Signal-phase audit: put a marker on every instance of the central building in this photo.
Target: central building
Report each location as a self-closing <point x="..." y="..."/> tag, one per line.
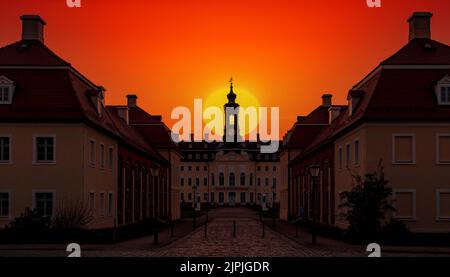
<point x="228" y="173"/>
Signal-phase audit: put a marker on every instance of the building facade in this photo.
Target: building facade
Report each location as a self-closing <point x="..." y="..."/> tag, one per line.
<point x="398" y="115"/>
<point x="228" y="173"/>
<point x="61" y="147"/>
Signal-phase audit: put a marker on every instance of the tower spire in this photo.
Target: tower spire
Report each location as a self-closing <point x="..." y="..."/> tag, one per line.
<point x="231" y="95"/>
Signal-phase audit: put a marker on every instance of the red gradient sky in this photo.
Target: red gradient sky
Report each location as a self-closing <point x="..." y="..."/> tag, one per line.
<point x="287" y="53"/>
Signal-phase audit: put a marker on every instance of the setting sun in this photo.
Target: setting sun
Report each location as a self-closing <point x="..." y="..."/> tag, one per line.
<point x="244" y="98"/>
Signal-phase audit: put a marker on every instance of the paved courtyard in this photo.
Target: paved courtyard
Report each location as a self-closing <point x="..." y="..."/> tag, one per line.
<point x="220" y="242"/>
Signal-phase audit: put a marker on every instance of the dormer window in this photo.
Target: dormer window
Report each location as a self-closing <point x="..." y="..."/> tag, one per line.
<point x="443" y="91"/>
<point x="445" y="95"/>
<point x="6" y="90"/>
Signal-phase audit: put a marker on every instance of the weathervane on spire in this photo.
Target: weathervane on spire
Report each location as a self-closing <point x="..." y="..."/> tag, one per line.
<point x="231" y="83"/>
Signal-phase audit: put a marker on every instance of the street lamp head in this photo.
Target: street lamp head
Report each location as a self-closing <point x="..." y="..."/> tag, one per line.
<point x="155" y="170"/>
<point x="314" y="170"/>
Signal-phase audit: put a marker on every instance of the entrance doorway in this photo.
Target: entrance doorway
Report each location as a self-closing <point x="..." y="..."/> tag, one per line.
<point x="232" y="198"/>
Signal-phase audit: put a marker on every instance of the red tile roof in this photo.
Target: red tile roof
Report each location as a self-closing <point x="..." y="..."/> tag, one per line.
<point x="421" y="52"/>
<point x="29" y="53"/>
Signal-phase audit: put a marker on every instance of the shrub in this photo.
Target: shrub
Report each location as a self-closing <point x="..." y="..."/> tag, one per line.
<point x="72" y="215"/>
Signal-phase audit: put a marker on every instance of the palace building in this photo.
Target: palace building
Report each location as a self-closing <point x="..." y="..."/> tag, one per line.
<point x="228" y="173"/>
<point x="398" y="114"/>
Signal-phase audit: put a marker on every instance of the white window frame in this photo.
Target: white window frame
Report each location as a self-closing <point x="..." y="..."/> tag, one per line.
<point x="340" y="157"/>
<point x="33" y="192"/>
<point x="110" y="207"/>
<point x="413" y="136"/>
<point x="6" y="162"/>
<point x="92" y="159"/>
<point x="438" y="150"/>
<point x="356" y="154"/>
<point x="438" y="205"/>
<point x="348" y="155"/>
<point x="414" y="207"/>
<point x="7" y="83"/>
<point x="110" y="158"/>
<point x="9" y="205"/>
<point x="35" y="161"/>
<point x="444" y="82"/>
<point x="102" y="154"/>
<point x="102" y="207"/>
<point x="92" y="207"/>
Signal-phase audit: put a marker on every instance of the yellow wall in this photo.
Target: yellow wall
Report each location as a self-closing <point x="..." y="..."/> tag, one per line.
<point x="70" y="178"/>
<point x="424" y="177"/>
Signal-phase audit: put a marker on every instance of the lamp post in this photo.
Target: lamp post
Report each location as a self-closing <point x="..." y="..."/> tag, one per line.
<point x="194" y="200"/>
<point x="314" y="172"/>
<point x="155" y="174"/>
<point x="273" y="205"/>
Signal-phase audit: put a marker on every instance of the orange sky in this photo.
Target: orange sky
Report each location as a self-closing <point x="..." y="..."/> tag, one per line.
<point x="287" y="53"/>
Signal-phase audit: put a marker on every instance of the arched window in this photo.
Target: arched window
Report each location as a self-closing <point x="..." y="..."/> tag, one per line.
<point x="221" y="179"/>
<point x="242" y="179"/>
<point x="232" y="179"/>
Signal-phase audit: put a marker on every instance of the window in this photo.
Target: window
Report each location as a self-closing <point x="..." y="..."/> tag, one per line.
<point x="259" y="182"/>
<point x="102" y="156"/>
<point x="231" y="179"/>
<point x="205" y="168"/>
<point x="181" y="181"/>
<point x="205" y="196"/>
<point x="6" y="90"/>
<point x="190" y="181"/>
<point x="242" y="198"/>
<point x="443" y="148"/>
<point x="190" y="168"/>
<point x="182" y="168"/>
<point x="182" y="196"/>
<point x="205" y="181"/>
<point x="92" y="201"/>
<point x="213" y="181"/>
<point x="274" y="168"/>
<point x="5" y="149"/>
<point x="443" y="205"/>
<point x="110" y="158"/>
<point x="251" y="197"/>
<point x="347" y="155"/>
<point x="242" y="179"/>
<point x="274" y="182"/>
<point x="221" y="179"/>
<point x="92" y="152"/>
<point x="403" y="149"/>
<point x="251" y="179"/>
<point x="102" y="203"/>
<point x="259" y="168"/>
<point x="221" y="197"/>
<point x="266" y="182"/>
<point x="267" y="168"/>
<point x="405" y="204"/>
<point x="197" y="168"/>
<point x="45" y="149"/>
<point x="445" y="95"/>
<point x="189" y="196"/>
<point x="356" y="152"/>
<point x="110" y="203"/>
<point x="43" y="203"/>
<point x="5" y="204"/>
<point x="340" y="157"/>
<point x="197" y="181"/>
<point x="212" y="200"/>
<point x="5" y="95"/>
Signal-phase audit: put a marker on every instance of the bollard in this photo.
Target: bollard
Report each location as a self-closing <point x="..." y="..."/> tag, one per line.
<point x="234" y="228"/>
<point x="263" y="231"/>
<point x="155" y="237"/>
<point x="206" y="229"/>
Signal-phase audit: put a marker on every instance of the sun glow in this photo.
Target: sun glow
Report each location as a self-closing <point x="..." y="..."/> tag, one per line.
<point x="244" y="98"/>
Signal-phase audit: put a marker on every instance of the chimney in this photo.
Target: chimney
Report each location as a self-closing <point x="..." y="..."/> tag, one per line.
<point x="123" y="113"/>
<point x="326" y="100"/>
<point x="131" y="100"/>
<point x="32" y="27"/>
<point x="334" y="112"/>
<point x="420" y="25"/>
